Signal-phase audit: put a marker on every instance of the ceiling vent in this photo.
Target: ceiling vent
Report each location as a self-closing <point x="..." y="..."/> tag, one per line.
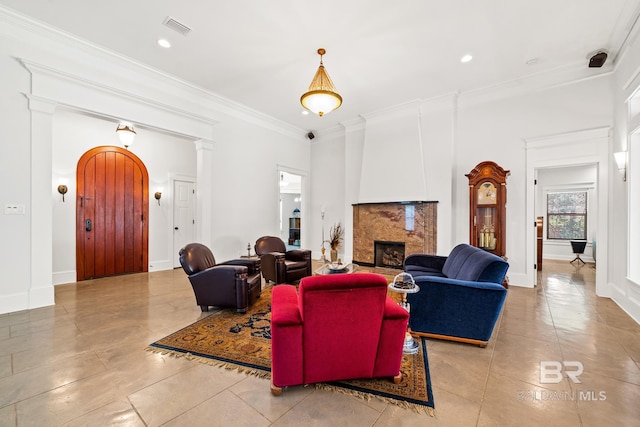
<point x="176" y="26"/>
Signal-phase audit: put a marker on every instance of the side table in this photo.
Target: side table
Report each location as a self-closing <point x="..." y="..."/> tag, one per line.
<point x="404" y="284"/>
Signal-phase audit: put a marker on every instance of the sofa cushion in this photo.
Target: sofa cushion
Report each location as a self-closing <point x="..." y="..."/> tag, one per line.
<point x="474" y="264"/>
<point x="457" y="259"/>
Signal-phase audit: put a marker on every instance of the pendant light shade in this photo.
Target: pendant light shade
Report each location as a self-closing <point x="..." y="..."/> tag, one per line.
<point x="321" y="98"/>
<point x="126" y="134"/>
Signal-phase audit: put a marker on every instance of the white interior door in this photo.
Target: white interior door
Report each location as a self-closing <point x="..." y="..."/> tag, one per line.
<point x="184" y="214"/>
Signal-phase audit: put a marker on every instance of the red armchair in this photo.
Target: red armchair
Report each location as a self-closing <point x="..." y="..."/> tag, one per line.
<point x="279" y="265"/>
<point x="338" y="327"/>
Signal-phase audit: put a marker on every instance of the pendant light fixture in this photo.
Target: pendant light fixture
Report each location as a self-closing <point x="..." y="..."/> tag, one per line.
<point x="126" y="134"/>
<point x="321" y="98"/>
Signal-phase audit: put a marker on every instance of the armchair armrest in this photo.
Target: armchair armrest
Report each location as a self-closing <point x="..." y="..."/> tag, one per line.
<point x="298" y="255"/>
<point x="286" y="336"/>
<point x="221" y="275"/>
<point x="252" y="264"/>
<point x="392" y="333"/>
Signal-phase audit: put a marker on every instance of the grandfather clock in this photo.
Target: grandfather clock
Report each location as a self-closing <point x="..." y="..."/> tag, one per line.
<point x="487" y="207"/>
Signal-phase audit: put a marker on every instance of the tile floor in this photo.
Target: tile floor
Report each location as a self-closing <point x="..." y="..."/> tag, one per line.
<point x="83" y="362"/>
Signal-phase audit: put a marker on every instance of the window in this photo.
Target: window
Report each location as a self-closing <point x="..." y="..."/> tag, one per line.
<point x="567" y="215"/>
<point x="409" y="217"/>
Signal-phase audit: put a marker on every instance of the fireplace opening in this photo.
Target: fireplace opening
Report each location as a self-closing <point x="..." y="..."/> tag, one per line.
<point x="388" y="254"/>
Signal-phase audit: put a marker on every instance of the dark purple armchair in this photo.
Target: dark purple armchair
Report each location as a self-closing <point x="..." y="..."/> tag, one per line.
<point x="236" y="283"/>
<point x="279" y="265"/>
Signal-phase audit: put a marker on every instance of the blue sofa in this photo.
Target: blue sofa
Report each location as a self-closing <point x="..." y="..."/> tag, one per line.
<point x="461" y="295"/>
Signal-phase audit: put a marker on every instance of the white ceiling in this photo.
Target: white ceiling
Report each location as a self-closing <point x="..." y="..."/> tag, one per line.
<point x="380" y="53"/>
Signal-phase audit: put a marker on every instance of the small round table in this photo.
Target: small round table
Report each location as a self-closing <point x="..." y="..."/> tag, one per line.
<point x="406" y="286"/>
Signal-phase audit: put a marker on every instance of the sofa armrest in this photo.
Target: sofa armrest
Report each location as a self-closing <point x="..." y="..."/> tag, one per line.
<point x="456" y="308"/>
<point x="435" y="262"/>
<point x="430" y="280"/>
<point x="286" y="337"/>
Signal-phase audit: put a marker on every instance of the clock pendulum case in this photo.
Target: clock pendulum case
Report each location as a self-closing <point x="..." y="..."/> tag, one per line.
<point x="487" y="207"/>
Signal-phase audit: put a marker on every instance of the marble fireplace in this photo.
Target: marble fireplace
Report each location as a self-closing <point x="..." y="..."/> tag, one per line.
<point x="385" y="233"/>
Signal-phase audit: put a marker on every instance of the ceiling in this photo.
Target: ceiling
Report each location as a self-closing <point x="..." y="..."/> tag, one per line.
<point x="380" y="53"/>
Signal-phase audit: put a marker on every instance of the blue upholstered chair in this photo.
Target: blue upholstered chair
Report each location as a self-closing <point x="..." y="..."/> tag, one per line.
<point x="461" y="295"/>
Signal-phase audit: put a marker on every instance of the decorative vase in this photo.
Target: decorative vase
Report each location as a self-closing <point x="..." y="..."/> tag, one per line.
<point x="334" y="255"/>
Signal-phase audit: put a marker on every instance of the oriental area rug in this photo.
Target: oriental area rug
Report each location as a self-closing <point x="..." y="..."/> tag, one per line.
<point x="243" y="342"/>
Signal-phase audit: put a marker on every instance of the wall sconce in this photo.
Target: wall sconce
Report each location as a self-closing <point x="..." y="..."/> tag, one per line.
<point x="126" y="134"/>
<point x="158" y="195"/>
<point x="62" y="189"/>
<point x="621" y="162"/>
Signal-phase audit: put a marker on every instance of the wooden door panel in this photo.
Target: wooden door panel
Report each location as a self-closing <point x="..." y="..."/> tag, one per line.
<point x="110" y="214"/>
<point x="99" y="232"/>
<point x="87" y="202"/>
<point x="119" y="232"/>
<point x="113" y="193"/>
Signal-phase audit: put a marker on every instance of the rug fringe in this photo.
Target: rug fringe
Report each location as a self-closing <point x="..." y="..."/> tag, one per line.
<point x="267" y="375"/>
<point x="228" y="366"/>
<point x="367" y="396"/>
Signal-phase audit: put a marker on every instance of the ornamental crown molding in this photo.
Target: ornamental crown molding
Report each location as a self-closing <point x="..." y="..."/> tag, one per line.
<point x="194" y="99"/>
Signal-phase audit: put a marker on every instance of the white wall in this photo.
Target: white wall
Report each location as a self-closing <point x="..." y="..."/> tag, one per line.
<point x="163" y="155"/>
<point x="624" y="291"/>
<point x="15" y="167"/>
<point x="329" y="179"/>
<point x="496" y="130"/>
<point x="457" y="134"/>
<point x="46" y="75"/>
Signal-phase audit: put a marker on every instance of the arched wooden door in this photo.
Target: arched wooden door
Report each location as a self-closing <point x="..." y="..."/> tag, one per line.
<point x="112" y="206"/>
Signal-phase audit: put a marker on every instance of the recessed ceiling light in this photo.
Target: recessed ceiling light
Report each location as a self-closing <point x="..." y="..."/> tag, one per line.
<point x="164" y="43"/>
<point x="466" y="58"/>
<point x="305" y="112"/>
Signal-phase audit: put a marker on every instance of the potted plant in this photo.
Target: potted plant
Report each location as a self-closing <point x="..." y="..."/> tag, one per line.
<point x="336" y="236"/>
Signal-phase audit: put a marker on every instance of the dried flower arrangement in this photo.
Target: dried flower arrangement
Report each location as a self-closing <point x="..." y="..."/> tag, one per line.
<point x="336" y="236"/>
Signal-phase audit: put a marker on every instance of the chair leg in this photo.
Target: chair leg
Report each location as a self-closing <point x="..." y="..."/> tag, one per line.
<point x="397" y="378"/>
<point x="204" y="308"/>
<point x="577" y="258"/>
<point x="275" y="390"/>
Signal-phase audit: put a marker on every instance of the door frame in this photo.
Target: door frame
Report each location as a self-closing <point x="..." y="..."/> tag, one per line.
<point x="589" y="146"/>
<point x="80" y="270"/>
<point x="304" y="203"/>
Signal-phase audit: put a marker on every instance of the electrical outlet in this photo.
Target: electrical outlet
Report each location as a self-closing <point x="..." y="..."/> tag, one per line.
<point x="14" y="209"/>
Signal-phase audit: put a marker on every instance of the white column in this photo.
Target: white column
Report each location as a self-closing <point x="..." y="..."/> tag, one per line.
<point x="204" y="192"/>
<point x="353" y="151"/>
<point x="41" y="291"/>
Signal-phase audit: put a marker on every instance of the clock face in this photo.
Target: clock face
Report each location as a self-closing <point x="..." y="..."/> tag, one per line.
<point x="487" y="194"/>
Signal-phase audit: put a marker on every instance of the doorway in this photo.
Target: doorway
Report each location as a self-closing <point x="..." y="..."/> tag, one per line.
<point x="290" y="185"/>
<point x="184" y="223"/>
<point x="112" y="207"/>
<point x="574" y="149"/>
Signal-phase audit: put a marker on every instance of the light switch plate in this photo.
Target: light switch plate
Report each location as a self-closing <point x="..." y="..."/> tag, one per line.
<point x="14" y="209"/>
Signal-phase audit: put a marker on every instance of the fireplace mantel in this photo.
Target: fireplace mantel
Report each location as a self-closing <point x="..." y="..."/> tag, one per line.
<point x="411" y="222"/>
